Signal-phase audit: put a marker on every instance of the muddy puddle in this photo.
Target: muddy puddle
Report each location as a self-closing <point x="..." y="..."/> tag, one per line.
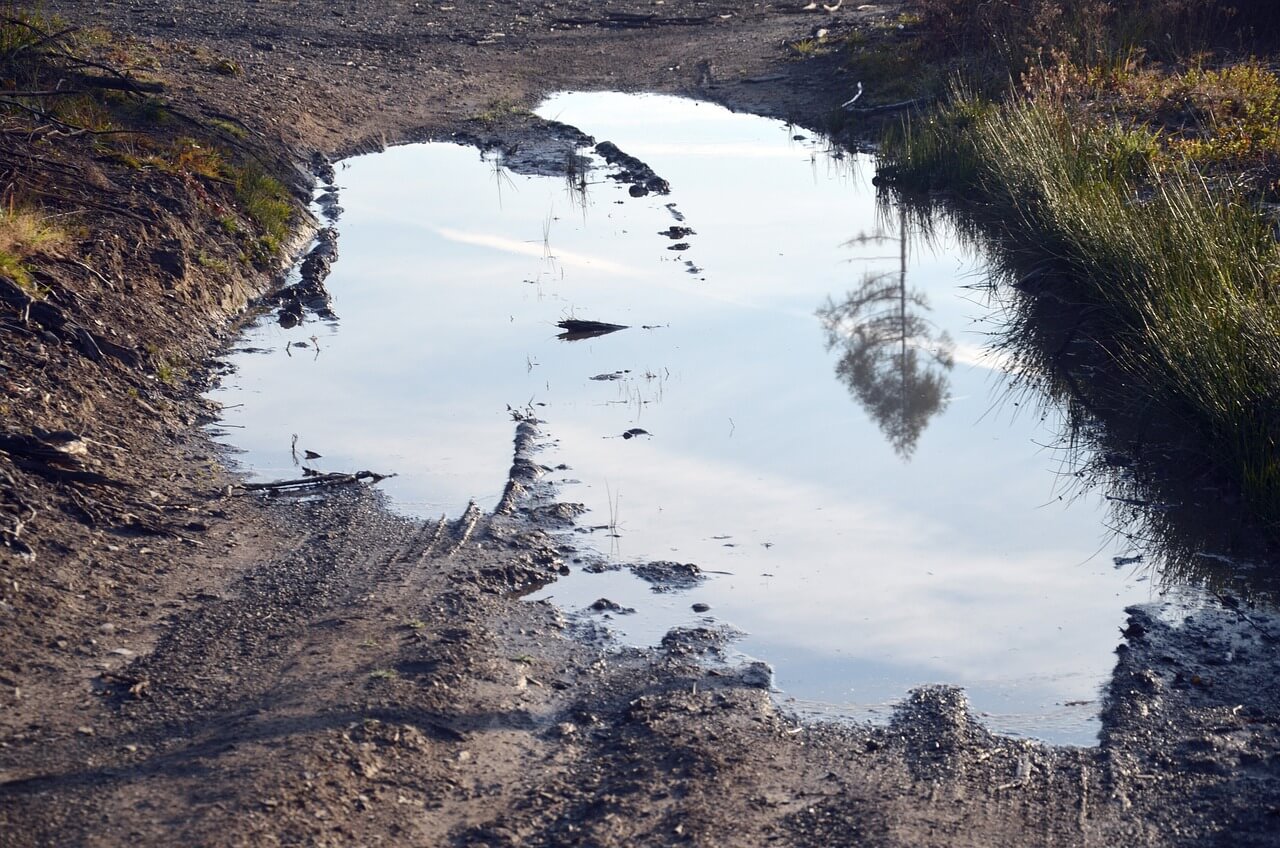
<point x="802" y="402"/>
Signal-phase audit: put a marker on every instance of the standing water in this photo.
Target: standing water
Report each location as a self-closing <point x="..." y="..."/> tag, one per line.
<point x="824" y="428"/>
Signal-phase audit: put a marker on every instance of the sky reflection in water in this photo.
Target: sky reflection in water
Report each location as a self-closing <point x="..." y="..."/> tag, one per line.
<point x="859" y="565"/>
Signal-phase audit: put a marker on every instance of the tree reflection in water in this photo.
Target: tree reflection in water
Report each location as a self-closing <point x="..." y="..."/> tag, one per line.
<point x="893" y="359"/>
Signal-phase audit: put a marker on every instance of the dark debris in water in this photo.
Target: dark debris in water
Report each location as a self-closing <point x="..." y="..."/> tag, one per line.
<point x="631" y="170"/>
<point x="575" y="330"/>
<point x="606" y="605"/>
<point x="667" y="576"/>
<point x="674" y="233"/>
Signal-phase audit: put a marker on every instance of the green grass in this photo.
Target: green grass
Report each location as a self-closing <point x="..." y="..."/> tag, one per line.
<point x="267" y="203"/>
<point x="232" y="129"/>
<point x="1186" y="273"/>
<point x="218" y="266"/>
<point x="498" y="109"/>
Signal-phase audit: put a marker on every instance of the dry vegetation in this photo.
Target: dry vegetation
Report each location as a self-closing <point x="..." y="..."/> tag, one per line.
<point x="1133" y="161"/>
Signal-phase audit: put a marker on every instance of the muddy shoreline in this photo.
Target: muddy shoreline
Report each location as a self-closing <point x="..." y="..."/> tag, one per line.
<point x="323" y="671"/>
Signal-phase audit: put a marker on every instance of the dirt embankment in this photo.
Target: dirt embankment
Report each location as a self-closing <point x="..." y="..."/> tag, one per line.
<point x="180" y="662"/>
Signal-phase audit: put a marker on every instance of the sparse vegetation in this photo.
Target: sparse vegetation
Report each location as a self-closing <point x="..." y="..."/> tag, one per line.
<point x="497" y="109"/>
<point x="26" y="232"/>
<point x="267" y="203"/>
<point x="807" y="47"/>
<point x="218" y="266"/>
<point x="230" y="128"/>
<point x="989" y="43"/>
<point x="130" y="124"/>
<point x="1136" y="187"/>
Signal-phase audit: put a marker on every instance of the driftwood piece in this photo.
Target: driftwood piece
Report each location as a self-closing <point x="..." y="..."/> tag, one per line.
<point x="320" y="481"/>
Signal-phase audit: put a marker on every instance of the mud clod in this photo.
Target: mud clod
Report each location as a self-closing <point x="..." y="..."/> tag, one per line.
<point x="667" y="576"/>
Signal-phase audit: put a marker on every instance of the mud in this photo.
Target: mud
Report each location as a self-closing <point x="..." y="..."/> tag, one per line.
<point x="181" y="663"/>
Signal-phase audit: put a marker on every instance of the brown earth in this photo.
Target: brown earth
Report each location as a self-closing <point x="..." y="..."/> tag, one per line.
<point x="183" y="662"/>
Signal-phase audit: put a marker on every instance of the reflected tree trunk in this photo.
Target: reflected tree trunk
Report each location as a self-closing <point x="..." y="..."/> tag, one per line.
<point x="893" y="359"/>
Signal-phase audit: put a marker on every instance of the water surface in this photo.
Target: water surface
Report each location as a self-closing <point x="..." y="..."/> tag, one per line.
<point x="825" y="427"/>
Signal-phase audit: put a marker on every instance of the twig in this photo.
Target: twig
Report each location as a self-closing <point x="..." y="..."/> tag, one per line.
<point x="887" y="107"/>
<point x="324" y="480"/>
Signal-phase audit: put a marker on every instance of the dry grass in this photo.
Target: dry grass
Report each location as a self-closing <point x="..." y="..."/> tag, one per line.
<point x="24" y="233"/>
<point x="1188" y="276"/>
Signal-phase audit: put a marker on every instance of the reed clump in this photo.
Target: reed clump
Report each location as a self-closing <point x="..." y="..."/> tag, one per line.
<point x="1184" y="269"/>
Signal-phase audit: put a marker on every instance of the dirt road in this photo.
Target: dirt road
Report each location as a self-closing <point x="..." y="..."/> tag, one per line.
<point x="194" y="665"/>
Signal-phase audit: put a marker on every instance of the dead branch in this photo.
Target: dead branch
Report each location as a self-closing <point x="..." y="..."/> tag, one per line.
<point x="121" y="82"/>
<point x="318" y="482"/>
<point x="884" y="108"/>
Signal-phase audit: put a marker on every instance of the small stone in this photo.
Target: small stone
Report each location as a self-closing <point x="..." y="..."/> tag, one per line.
<point x="566" y="729"/>
<point x="700" y="607"/>
<point x="85" y="730"/>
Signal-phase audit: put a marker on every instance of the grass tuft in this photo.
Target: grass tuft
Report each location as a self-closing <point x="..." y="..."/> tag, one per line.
<point x="266" y="201"/>
<point x="26" y="232"/>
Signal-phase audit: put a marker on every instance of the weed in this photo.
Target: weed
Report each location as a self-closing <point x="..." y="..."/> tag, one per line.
<point x="26" y="232"/>
<point x="169" y="373"/>
<point x="15" y="269"/>
<point x="138" y="111"/>
<point x="384" y="674"/>
<point x="83" y="111"/>
<point x="993" y="42"/>
<point x="229" y="127"/>
<point x="188" y="156"/>
<point x="216" y="265"/>
<point x="267" y="203"/>
<point x="807" y="47"/>
<point x="498" y="109"/>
